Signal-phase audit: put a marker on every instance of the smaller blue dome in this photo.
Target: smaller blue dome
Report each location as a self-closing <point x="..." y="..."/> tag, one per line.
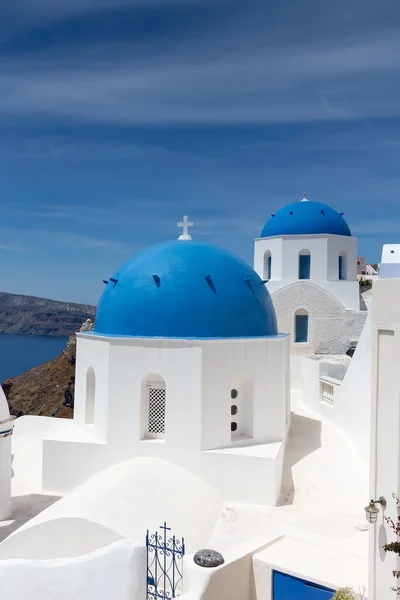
<point x="186" y="289"/>
<point x="305" y="218"/>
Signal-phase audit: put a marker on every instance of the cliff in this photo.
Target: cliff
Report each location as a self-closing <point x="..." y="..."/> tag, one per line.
<point x="47" y="390"/>
<point x="31" y="315"/>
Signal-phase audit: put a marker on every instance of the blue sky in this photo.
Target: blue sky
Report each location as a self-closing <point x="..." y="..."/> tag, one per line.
<point x="119" y="116"/>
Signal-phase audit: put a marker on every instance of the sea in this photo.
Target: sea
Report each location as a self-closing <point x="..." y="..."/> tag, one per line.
<point x="19" y="353"/>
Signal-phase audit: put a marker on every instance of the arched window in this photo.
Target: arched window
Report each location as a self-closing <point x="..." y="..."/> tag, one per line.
<point x="90" y="396"/>
<point x="241" y="411"/>
<point x="267" y="265"/>
<point x="301" y="326"/>
<point x="153" y="406"/>
<point x="304" y="264"/>
<point x="342" y="266"/>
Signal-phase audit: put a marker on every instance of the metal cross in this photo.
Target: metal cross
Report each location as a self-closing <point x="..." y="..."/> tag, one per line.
<point x="165" y="527"/>
<point x="185" y="224"/>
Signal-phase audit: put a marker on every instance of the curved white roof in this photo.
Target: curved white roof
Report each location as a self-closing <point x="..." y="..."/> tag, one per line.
<point x="140" y="494"/>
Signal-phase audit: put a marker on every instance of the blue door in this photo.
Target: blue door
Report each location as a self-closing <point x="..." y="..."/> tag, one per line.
<point x="286" y="587"/>
<point x="301" y="326"/>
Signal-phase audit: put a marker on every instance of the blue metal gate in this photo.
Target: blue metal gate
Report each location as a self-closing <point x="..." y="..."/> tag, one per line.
<point x="164" y="565"/>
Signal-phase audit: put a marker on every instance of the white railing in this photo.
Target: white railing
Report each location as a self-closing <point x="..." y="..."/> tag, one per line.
<point x="327" y="386"/>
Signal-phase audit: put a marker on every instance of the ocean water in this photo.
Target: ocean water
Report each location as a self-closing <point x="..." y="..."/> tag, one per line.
<point x="19" y="353"/>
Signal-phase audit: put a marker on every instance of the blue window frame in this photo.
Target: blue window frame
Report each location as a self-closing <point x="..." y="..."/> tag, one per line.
<point x="269" y="267"/>
<point x="304" y="266"/>
<point x="301" y="328"/>
<point x="340" y="266"/>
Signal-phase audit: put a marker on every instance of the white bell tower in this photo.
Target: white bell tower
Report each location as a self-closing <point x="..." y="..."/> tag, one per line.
<point x="306" y="246"/>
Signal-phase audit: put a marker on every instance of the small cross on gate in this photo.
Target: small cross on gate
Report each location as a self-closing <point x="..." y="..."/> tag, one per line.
<point x="165" y="527"/>
<point x="185" y="224"/>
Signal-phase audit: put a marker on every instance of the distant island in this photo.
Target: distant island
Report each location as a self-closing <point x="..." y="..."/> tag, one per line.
<point x="39" y="316"/>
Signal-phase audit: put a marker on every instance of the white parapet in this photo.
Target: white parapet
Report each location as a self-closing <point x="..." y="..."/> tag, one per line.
<point x="6" y="429"/>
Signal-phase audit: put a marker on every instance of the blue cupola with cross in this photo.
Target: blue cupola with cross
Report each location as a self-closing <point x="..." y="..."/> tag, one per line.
<point x="185" y="289"/>
<point x="305" y="218"/>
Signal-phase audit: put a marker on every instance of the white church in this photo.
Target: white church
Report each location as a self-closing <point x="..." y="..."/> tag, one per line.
<point x="253" y="412"/>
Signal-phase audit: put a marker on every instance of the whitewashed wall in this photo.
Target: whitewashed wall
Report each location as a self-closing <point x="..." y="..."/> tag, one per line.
<point x="247" y="571"/>
<point x="324" y="250"/>
<point x="351" y="407"/>
<point x="5" y="459"/>
<point x="385" y="430"/>
<point x="199" y="376"/>
<point x="115" y="571"/>
<point x="5" y="477"/>
<point x="332" y="328"/>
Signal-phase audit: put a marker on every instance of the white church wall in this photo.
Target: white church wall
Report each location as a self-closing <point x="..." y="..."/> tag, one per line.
<point x="332" y="329"/>
<point x="58" y="538"/>
<point x="347" y="289"/>
<point x="115" y="571"/>
<point x="385" y="430"/>
<point x="263" y="247"/>
<point x="264" y="363"/>
<point x="178" y="363"/>
<point x="93" y="360"/>
<point x="197" y="417"/>
<point x="285" y="252"/>
<point x="324" y="264"/>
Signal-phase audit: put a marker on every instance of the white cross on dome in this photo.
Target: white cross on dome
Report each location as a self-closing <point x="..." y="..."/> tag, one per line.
<point x="185" y="224"/>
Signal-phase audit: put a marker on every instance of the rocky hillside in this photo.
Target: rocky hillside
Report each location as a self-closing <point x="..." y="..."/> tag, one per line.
<point x="47" y="390"/>
<point x="31" y="315"/>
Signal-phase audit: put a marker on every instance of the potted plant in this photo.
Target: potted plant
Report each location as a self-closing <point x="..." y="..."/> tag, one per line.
<point x="344" y="594"/>
<point x="394" y="546"/>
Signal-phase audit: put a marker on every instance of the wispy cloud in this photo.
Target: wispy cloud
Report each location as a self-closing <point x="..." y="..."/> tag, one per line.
<point x="25" y="14"/>
<point x="378" y="227"/>
<point x="233" y="79"/>
<point x="31" y="240"/>
<point x="12" y="248"/>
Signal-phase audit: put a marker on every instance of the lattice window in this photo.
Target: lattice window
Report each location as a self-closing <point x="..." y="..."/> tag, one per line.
<point x="156" y="410"/>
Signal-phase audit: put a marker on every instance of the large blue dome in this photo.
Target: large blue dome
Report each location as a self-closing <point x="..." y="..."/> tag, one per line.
<point x="305" y="218"/>
<point x="186" y="289"/>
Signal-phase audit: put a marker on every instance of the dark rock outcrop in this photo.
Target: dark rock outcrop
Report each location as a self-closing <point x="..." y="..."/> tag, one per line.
<point x="47" y="390"/>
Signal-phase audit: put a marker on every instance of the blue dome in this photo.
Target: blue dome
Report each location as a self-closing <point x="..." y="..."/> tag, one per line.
<point x="186" y="289"/>
<point x="306" y="218"/>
